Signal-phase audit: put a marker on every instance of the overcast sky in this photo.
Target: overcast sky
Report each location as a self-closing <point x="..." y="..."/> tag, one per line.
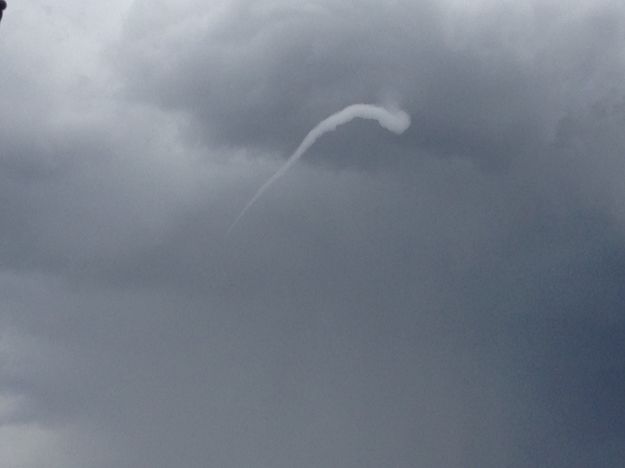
<point x="450" y="297"/>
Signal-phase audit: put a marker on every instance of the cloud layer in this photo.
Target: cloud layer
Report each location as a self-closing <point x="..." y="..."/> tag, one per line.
<point x="449" y="298"/>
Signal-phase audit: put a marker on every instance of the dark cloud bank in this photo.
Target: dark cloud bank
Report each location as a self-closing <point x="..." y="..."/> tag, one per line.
<point x="451" y="297"/>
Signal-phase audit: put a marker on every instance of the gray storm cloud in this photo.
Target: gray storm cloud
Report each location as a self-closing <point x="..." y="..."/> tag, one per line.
<point x="393" y="119"/>
<point x="452" y="297"/>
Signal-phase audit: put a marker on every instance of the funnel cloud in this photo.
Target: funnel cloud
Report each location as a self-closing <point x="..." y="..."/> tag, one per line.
<point x="392" y="119"/>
